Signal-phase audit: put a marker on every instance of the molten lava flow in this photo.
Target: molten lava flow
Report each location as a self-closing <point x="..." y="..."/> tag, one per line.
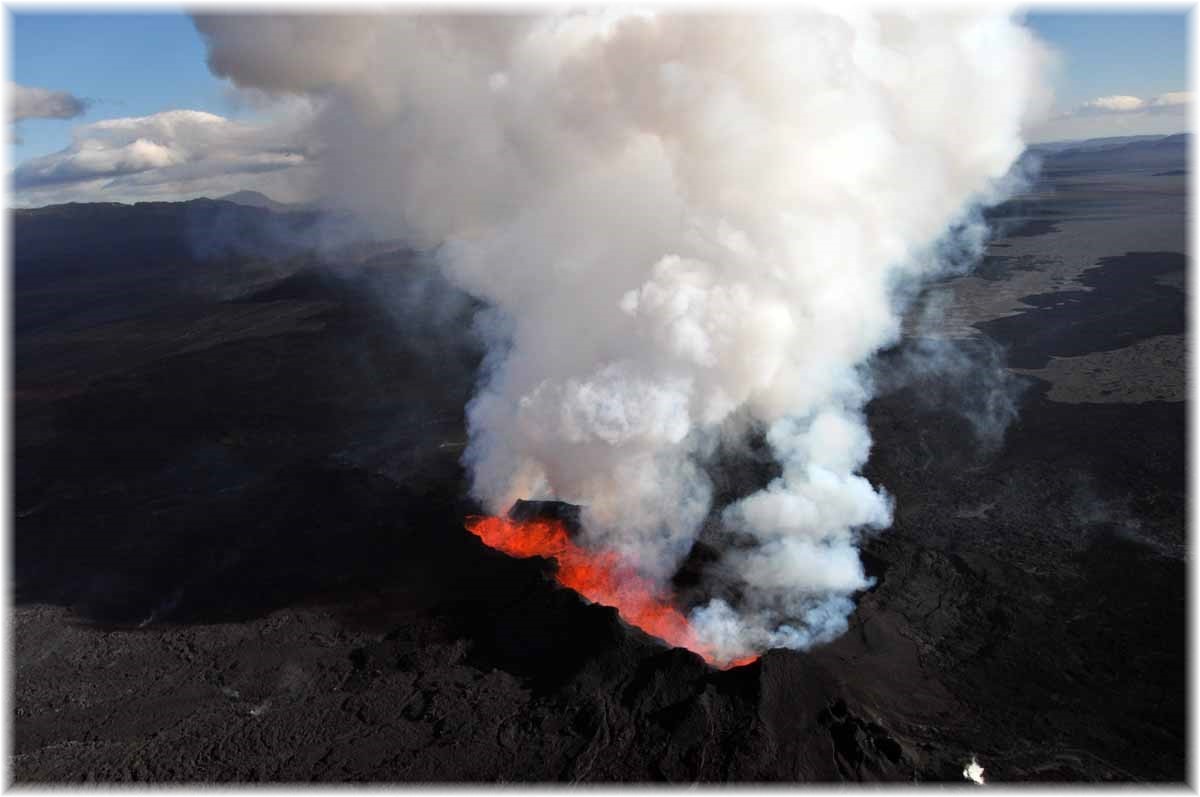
<point x="600" y="577"/>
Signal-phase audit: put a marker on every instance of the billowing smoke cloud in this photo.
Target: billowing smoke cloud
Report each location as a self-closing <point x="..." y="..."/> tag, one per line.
<point x="685" y="225"/>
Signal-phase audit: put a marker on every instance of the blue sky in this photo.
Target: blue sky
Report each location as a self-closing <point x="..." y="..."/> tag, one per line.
<point x="1114" y="54"/>
<point x="125" y="64"/>
<point x="139" y="64"/>
<point x="1141" y="54"/>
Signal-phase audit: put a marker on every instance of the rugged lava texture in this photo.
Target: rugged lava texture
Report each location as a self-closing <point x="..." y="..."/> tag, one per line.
<point x="239" y="552"/>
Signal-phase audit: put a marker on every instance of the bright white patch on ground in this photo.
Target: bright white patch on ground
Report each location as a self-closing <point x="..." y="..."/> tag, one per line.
<point x="974" y="772"/>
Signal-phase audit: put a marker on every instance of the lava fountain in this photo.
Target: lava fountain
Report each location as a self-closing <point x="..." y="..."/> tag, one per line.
<point x="600" y="576"/>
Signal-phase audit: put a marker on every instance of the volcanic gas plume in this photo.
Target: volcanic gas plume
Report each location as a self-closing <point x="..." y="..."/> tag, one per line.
<point x="692" y="231"/>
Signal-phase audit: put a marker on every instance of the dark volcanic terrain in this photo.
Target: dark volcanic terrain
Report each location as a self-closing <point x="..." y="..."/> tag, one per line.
<point x="238" y="548"/>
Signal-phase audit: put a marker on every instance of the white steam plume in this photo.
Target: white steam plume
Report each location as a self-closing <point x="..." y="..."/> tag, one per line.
<point x="681" y="221"/>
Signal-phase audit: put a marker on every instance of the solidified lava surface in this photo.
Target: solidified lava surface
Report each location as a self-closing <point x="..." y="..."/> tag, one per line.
<point x="239" y="554"/>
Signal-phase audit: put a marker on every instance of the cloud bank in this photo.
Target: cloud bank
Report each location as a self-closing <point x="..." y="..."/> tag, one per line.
<point x="1119" y="115"/>
<point x="1120" y="103"/>
<point x="690" y="230"/>
<point x="171" y="154"/>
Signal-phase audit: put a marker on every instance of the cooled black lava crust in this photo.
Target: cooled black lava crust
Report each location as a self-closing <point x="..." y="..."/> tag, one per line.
<point x="239" y="555"/>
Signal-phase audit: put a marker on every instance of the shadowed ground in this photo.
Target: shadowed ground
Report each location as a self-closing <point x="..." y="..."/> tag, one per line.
<point x="238" y="551"/>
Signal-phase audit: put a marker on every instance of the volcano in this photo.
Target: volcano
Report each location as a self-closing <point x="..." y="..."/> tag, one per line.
<point x="238" y="550"/>
<point x="548" y="528"/>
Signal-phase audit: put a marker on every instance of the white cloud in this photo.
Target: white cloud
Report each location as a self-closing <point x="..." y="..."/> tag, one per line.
<point x="173" y="154"/>
<point x="1116" y="103"/>
<point x="30" y="102"/>
<point x="1118" y="115"/>
<point x="1124" y="103"/>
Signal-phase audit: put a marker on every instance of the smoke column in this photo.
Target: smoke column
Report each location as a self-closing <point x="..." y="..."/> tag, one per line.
<point x="689" y="228"/>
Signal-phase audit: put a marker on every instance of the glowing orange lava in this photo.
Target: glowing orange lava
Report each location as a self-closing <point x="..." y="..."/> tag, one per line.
<point x="601" y="577"/>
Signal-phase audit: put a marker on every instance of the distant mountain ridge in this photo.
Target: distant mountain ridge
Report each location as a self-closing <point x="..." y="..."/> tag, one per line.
<point x="112" y="235"/>
<point x="1121" y="153"/>
<point x="1106" y="142"/>
<point x="257" y="199"/>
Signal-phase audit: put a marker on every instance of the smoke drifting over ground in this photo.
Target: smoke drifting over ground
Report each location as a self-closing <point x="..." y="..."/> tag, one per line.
<point x="684" y="225"/>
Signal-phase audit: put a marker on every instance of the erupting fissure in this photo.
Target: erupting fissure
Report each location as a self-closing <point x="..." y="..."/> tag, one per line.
<point x="600" y="576"/>
<point x="689" y="233"/>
